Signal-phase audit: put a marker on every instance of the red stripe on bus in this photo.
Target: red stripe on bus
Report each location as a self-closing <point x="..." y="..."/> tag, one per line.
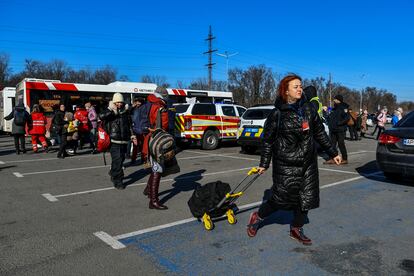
<point x="175" y="92"/>
<point x="65" y="86"/>
<point x="36" y="85"/>
<point x="182" y="92"/>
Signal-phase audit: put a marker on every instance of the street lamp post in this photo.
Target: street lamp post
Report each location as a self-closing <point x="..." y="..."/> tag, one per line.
<point x="362" y="90"/>
<point x="227" y="55"/>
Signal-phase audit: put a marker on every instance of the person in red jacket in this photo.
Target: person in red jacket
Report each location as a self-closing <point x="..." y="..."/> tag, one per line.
<point x="84" y="127"/>
<point x="37" y="129"/>
<point x="158" y="101"/>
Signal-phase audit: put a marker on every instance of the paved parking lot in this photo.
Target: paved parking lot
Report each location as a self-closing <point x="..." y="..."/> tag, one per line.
<point x="63" y="217"/>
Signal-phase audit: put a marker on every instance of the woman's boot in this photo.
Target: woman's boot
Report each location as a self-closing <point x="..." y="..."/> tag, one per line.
<point x="147" y="189"/>
<point x="153" y="192"/>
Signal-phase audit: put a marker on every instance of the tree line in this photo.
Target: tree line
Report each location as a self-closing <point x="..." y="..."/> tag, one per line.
<point x="254" y="85"/>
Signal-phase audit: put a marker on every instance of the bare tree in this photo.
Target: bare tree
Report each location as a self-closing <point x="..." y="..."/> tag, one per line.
<point x="123" y="78"/>
<point x="180" y="84"/>
<point x="105" y="75"/>
<point x="256" y="85"/>
<point x="80" y="76"/>
<point x="5" y="70"/>
<point x="202" y="84"/>
<point x="158" y="80"/>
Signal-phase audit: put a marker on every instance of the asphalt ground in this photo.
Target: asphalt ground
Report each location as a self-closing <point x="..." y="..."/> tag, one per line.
<point x="63" y="217"/>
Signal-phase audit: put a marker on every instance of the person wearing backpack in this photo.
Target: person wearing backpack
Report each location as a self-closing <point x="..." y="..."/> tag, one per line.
<point x="21" y="119"/>
<point x="158" y="110"/>
<point x="37" y="128"/>
<point x="118" y="125"/>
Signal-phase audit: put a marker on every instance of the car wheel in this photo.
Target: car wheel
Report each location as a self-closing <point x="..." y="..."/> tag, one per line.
<point x="392" y="176"/>
<point x="210" y="140"/>
<point x="249" y="149"/>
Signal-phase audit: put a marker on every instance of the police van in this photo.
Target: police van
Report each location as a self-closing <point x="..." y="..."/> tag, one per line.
<point x="251" y="127"/>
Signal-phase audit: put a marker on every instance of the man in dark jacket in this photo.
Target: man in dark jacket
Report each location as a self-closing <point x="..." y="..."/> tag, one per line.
<point x="118" y="124"/>
<point x="21" y="119"/>
<point x="337" y="122"/>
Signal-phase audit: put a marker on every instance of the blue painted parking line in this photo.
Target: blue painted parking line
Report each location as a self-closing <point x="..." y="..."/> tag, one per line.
<point x="347" y="238"/>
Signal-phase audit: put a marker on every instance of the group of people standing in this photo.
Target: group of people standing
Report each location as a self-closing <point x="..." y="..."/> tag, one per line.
<point x="73" y="130"/>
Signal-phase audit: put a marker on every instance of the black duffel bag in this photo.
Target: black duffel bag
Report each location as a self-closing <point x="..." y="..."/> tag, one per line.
<point x="205" y="199"/>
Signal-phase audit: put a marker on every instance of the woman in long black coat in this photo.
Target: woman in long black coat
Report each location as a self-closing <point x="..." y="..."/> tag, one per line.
<point x="288" y="137"/>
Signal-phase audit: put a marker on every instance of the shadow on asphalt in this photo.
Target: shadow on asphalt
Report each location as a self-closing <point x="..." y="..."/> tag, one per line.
<point x="7" y="152"/>
<point x="7" y="167"/>
<point x="372" y="167"/>
<point x="135" y="176"/>
<point x="183" y="183"/>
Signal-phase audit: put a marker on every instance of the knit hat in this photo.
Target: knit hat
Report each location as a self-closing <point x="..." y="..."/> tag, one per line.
<point x="339" y="98"/>
<point x="118" y="98"/>
<point x="161" y="93"/>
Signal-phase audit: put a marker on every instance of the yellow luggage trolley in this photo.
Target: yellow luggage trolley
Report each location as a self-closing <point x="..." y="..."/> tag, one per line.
<point x="227" y="205"/>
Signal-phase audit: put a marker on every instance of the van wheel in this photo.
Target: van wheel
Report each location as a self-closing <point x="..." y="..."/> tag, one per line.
<point x="210" y="140"/>
<point x="249" y="149"/>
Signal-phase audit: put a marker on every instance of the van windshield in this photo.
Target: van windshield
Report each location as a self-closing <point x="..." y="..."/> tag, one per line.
<point x="256" y="114"/>
<point x="181" y="108"/>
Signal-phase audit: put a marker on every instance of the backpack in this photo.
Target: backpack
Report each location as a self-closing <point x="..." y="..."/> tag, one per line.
<point x="140" y="119"/>
<point x="19" y="118"/>
<point x="161" y="144"/>
<point x="104" y="141"/>
<point x="205" y="198"/>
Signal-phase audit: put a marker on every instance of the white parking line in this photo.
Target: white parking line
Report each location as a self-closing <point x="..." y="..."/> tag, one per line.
<point x="227" y="155"/>
<point x="17" y="174"/>
<point x="142" y="183"/>
<point x="2" y="163"/>
<point x="75" y="157"/>
<point x="109" y="241"/>
<point x="102" y="166"/>
<point x="204" y="155"/>
<point x="341" y="171"/>
<point x="50" y="197"/>
<point x="62" y="170"/>
<point x="49" y="159"/>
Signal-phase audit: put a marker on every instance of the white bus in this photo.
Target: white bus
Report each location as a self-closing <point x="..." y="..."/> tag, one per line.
<point x="50" y="93"/>
<point x="7" y="103"/>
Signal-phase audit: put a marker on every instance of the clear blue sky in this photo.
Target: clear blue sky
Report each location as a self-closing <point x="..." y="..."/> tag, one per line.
<point x="361" y="43"/>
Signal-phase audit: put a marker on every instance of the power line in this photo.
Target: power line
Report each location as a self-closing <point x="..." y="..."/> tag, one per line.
<point x="210" y="57"/>
<point x="95" y="35"/>
<point x="86" y="47"/>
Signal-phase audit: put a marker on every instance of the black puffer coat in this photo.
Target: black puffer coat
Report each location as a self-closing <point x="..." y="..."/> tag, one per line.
<point x="118" y="126"/>
<point x="338" y="118"/>
<point x="295" y="167"/>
